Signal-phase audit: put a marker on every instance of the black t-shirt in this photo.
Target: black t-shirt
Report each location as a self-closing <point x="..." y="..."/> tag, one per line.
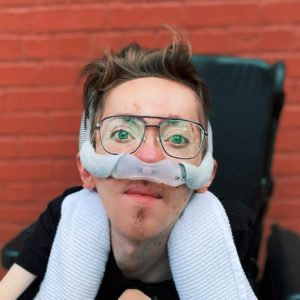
<point x="35" y="253"/>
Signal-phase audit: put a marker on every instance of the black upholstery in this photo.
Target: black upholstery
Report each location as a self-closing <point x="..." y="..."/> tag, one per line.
<point x="246" y="97"/>
<point x="281" y="279"/>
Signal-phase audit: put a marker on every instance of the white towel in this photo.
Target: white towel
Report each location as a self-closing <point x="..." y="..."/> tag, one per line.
<point x="203" y="258"/>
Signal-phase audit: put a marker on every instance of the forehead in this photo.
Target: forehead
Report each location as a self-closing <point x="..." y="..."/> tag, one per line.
<point x="153" y="96"/>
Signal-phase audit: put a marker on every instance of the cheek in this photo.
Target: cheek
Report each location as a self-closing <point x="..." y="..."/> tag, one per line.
<point x="107" y="190"/>
<point x="197" y="160"/>
<point x="177" y="199"/>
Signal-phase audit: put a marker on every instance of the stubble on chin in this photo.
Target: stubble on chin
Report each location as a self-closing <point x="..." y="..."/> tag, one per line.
<point x="139" y="225"/>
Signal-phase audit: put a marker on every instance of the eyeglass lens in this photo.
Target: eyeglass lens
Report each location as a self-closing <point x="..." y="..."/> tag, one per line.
<point x="124" y="134"/>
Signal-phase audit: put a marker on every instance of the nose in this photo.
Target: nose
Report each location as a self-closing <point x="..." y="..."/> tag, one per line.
<point x="150" y="150"/>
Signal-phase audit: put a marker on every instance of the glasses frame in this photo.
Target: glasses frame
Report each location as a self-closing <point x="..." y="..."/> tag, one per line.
<point x="204" y="131"/>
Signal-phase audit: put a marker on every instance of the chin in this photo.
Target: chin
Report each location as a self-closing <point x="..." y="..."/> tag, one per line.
<point x="141" y="228"/>
<point x="139" y="231"/>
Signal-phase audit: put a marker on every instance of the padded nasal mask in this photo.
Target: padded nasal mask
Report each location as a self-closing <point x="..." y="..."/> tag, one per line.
<point x="128" y="166"/>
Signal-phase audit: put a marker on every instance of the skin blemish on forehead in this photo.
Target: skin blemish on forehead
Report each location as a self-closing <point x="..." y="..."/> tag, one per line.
<point x="136" y="106"/>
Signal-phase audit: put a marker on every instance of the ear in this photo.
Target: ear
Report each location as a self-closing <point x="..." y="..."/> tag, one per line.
<point x="87" y="179"/>
<point x="205" y="187"/>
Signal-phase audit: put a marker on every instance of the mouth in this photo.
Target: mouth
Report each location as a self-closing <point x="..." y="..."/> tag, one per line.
<point x="143" y="192"/>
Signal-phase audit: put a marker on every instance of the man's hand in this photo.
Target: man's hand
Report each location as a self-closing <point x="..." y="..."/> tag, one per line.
<point x="132" y="294"/>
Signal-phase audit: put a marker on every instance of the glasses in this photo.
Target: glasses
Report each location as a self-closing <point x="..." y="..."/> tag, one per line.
<point x="179" y="138"/>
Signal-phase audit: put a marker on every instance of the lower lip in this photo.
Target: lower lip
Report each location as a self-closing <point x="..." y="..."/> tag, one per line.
<point x="142" y="198"/>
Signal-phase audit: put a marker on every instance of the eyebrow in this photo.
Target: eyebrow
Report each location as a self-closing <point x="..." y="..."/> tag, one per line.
<point x="171" y="116"/>
<point x="172" y="121"/>
<point x="129" y="119"/>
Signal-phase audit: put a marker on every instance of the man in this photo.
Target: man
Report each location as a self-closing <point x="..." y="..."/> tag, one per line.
<point x="152" y="105"/>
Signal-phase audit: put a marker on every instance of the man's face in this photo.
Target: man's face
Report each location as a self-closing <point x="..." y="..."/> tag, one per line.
<point x="138" y="209"/>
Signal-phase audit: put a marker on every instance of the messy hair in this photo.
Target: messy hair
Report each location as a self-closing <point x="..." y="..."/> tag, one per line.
<point x="172" y="62"/>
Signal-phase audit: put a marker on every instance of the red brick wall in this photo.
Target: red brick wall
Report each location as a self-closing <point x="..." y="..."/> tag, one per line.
<point x="43" y="45"/>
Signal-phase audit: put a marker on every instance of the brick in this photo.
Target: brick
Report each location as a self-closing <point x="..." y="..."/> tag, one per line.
<point x="26" y="192"/>
<point x="277" y="40"/>
<point x="20" y="74"/>
<point x="292" y="64"/>
<point x="288" y="141"/>
<point x="20" y="124"/>
<point x="290" y="117"/>
<point x="280" y="12"/>
<point x="51" y="147"/>
<point x="292" y="90"/>
<point x="19" y="213"/>
<point x="17" y="192"/>
<point x="40" y="124"/>
<point x="132" y="1"/>
<point x="55" y="47"/>
<point x="286" y="164"/>
<point x="10" y="49"/>
<point x="40" y="99"/>
<point x="65" y="123"/>
<point x="47" y="190"/>
<point x="15" y="21"/>
<point x="297" y="34"/>
<point x="117" y="40"/>
<point x="240" y="40"/>
<point x="287" y="187"/>
<point x="8" y="148"/>
<point x="29" y="170"/>
<point x="68" y="19"/>
<point x="64" y="1"/>
<point x="207" y="42"/>
<point x="16" y="2"/>
<point x="2" y="101"/>
<point x="66" y="169"/>
<point x="284" y="208"/>
<point x="220" y="14"/>
<point x="71" y="47"/>
<point x="58" y="74"/>
<point x="144" y="16"/>
<point x="37" y="47"/>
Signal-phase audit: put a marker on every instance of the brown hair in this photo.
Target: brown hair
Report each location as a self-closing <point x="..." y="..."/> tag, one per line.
<point x="132" y="62"/>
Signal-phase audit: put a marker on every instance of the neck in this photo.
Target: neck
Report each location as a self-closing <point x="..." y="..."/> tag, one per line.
<point x="145" y="260"/>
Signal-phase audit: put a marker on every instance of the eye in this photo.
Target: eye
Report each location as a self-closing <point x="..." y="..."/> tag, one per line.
<point x="178" y="139"/>
<point x="121" y="135"/>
